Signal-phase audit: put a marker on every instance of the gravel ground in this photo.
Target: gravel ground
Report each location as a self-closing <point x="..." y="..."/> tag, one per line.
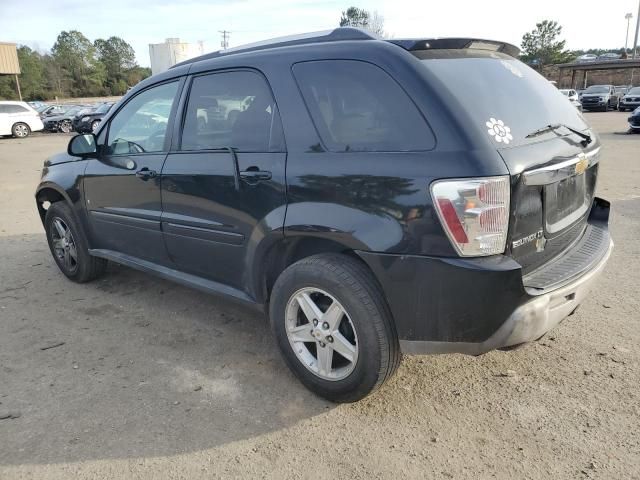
<point x="152" y="380"/>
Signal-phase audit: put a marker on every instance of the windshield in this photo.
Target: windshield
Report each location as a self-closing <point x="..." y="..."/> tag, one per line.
<point x="597" y="89"/>
<point x="634" y="91"/>
<point x="492" y="87"/>
<point x="104" y="108"/>
<point x="72" y="110"/>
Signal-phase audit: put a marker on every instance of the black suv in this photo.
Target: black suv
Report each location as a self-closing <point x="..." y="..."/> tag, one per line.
<point x="89" y="121"/>
<point x="373" y="196"/>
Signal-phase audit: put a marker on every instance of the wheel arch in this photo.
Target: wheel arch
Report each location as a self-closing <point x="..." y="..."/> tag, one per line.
<point x="51" y="193"/>
<point x="288" y="250"/>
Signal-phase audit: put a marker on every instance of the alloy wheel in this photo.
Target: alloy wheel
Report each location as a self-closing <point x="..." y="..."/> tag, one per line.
<point x="321" y="334"/>
<point x="64" y="245"/>
<point x="65" y="126"/>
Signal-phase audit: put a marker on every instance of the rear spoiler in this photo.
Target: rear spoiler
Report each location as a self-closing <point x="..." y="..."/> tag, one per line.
<point x="455" y="44"/>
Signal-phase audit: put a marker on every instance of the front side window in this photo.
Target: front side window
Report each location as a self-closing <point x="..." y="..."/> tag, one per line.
<point x="357" y="106"/>
<point x="231" y="109"/>
<point x="141" y="125"/>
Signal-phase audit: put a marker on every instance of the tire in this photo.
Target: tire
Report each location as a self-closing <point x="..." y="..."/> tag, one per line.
<point x="20" y="130"/>
<point x="81" y="268"/>
<point x="65" y="126"/>
<point x="94" y="125"/>
<point x="333" y="282"/>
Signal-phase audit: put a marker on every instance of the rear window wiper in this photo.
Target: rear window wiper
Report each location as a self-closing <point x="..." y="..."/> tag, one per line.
<point x="555" y="126"/>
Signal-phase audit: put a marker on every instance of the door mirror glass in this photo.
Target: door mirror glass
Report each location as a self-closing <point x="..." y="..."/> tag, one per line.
<point x="83" y="146"/>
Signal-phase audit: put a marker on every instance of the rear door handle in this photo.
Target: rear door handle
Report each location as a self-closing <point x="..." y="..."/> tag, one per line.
<point x="252" y="175"/>
<point x="146" y="174"/>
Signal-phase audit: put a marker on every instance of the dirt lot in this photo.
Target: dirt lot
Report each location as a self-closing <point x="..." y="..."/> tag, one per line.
<point x="157" y="381"/>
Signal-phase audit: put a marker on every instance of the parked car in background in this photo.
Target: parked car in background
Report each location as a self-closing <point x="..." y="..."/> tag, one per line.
<point x="18" y="119"/>
<point x="621" y="90"/>
<point x="64" y="121"/>
<point x="359" y="235"/>
<point x="572" y="96"/>
<point x="600" y="97"/>
<point x="580" y="92"/>
<point x="631" y="100"/>
<point x="88" y="121"/>
<point x="50" y="110"/>
<point x="634" y="121"/>
<point x="41" y="108"/>
<point x="35" y="105"/>
<point x="587" y="57"/>
<point x="607" y="57"/>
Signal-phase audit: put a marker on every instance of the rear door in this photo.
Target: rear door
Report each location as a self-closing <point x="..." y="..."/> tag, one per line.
<point x="122" y="187"/>
<point x="223" y="188"/>
<point x="5" y="128"/>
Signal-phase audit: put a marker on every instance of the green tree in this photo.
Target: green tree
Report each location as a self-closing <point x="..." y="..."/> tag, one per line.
<point x="542" y="44"/>
<point x="83" y="73"/>
<point x="32" y="81"/>
<point x="355" y="17"/>
<point x="117" y="56"/>
<point x="361" y="18"/>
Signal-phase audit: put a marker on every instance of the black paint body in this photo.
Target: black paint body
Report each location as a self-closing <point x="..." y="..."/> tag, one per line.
<point x="191" y="224"/>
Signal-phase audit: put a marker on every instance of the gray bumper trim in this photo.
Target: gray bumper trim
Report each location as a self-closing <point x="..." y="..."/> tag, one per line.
<point x="527" y="323"/>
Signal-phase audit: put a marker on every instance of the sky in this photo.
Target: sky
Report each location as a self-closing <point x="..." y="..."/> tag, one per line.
<point x="37" y="23"/>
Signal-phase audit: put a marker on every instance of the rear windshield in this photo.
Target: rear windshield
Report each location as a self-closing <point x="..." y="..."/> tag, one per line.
<point x="501" y="94"/>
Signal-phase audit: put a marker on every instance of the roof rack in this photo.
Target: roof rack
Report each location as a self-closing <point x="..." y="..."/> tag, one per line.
<point x="335" y="35"/>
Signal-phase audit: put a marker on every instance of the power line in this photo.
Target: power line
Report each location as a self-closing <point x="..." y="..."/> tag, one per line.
<point x="225" y="39"/>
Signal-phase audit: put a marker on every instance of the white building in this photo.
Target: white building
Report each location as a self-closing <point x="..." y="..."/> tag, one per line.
<point x="172" y="51"/>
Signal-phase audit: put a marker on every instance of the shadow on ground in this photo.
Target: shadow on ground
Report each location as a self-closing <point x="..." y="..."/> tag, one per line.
<point x="147" y="368"/>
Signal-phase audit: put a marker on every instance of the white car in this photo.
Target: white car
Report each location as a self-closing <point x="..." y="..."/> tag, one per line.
<point x="587" y="57"/>
<point x="572" y="95"/>
<point x="18" y="119"/>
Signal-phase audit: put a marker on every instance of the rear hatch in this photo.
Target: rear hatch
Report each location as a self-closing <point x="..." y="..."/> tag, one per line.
<point x="553" y="170"/>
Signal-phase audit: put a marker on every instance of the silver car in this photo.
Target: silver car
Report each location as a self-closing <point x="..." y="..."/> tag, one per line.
<point x="631" y="100"/>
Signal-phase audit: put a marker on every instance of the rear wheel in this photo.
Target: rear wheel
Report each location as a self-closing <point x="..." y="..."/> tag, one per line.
<point x="20" y="130"/>
<point x="333" y="327"/>
<point x="69" y="246"/>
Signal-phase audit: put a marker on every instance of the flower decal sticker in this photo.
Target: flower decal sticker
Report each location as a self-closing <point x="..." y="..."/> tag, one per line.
<point x="499" y="131"/>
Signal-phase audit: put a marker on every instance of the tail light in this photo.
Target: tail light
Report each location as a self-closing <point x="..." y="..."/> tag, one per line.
<point x="474" y="213"/>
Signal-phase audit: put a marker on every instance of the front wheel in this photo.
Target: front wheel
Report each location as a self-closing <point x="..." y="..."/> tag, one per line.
<point x="65" y="126"/>
<point x="94" y="125"/>
<point x="69" y="246"/>
<point x="333" y="327"/>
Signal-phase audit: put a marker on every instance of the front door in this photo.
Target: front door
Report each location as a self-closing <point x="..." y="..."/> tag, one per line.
<point x="122" y="187"/>
<point x="223" y="189"/>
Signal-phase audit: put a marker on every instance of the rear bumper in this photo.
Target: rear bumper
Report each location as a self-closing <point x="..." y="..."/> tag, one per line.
<point x="477" y="305"/>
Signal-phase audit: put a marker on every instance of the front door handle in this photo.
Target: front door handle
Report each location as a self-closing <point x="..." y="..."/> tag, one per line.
<point x="253" y="175"/>
<point x="145" y="174"/>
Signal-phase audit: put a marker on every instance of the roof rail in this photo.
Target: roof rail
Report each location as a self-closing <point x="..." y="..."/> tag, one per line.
<point x="335" y="35"/>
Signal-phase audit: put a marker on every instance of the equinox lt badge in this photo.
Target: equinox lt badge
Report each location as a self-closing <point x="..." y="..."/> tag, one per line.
<point x="538" y="237"/>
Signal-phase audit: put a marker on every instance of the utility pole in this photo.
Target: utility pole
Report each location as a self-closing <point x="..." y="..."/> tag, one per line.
<point x="628" y="17"/>
<point x="225" y="39"/>
<point x="635" y="40"/>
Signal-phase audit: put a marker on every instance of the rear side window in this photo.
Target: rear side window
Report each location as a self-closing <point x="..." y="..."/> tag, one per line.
<point x="15" y="109"/>
<point x="232" y="109"/>
<point x="358" y="107"/>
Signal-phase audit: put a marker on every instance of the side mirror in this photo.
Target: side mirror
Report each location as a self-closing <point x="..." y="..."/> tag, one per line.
<point x="83" y="146"/>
